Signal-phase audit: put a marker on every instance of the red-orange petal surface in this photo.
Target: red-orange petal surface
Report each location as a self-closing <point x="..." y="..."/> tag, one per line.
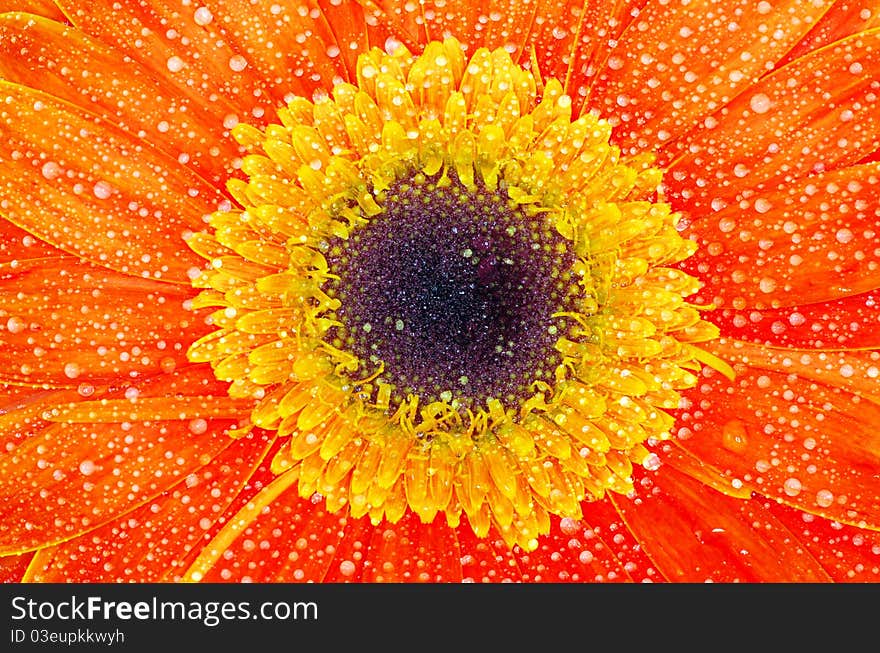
<point x="817" y="113"/>
<point x="849" y="323"/>
<point x="695" y="534"/>
<point x="155" y="542"/>
<point x="52" y="57"/>
<point x="45" y="8"/>
<point x="96" y="191"/>
<point x="12" y="568"/>
<point x="678" y="62"/>
<point x="803" y="242"/>
<point x="797" y="426"/>
<point x="66" y="479"/>
<point x="64" y="322"/>
<point x="849" y="554"/>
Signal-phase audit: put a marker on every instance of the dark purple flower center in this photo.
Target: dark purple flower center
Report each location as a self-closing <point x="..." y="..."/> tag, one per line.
<point x="454" y="290"/>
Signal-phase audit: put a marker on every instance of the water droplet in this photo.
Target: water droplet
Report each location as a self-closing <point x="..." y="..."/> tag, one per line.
<point x="734" y="436"/>
<point x="569" y="526"/>
<point x="760" y="103"/>
<point x="824" y="498"/>
<point x="102" y="190"/>
<point x="767" y="285"/>
<point x="50" y="170"/>
<point x="175" y="64"/>
<point x="85" y="389"/>
<point x="762" y="205"/>
<point x="347" y="568"/>
<point x="237" y="63"/>
<point x="792" y="487"/>
<point x="86" y="467"/>
<point x="203" y="16"/>
<point x="198" y="426"/>
<point x="15" y="325"/>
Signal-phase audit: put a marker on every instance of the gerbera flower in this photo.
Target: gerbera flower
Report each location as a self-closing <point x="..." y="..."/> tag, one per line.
<point x="440" y="291"/>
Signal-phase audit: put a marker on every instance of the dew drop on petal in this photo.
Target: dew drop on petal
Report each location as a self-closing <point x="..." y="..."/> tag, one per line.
<point x="86" y="467"/>
<point x="15" y="325"/>
<point x="792" y="487"/>
<point x="824" y="498"/>
<point x="203" y="16"/>
<point x="71" y="370"/>
<point x="767" y="285"/>
<point x="762" y="205"/>
<point x="198" y="426"/>
<point x="50" y="170"/>
<point x="85" y="389"/>
<point x="569" y="526"/>
<point x="347" y="568"/>
<point x="734" y="436"/>
<point x="760" y="103"/>
<point x="175" y="64"/>
<point x="102" y="190"/>
<point x="237" y="63"/>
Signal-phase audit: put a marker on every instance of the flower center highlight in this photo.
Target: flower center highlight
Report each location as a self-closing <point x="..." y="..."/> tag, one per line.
<point x="450" y="295"/>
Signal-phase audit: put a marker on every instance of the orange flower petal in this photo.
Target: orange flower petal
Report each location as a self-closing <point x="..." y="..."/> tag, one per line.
<point x="679" y="62"/>
<point x="573" y="552"/>
<point x="155" y="542"/>
<point x="168" y="41"/>
<point x="695" y="534"/>
<point x="13" y="568"/>
<point x="843" y="19"/>
<point x="96" y="191"/>
<point x="486" y="559"/>
<point x="798" y="426"/>
<point x="348" y="560"/>
<point x="64" y="322"/>
<point x="395" y="21"/>
<point x="851" y="555"/>
<point x="411" y="551"/>
<point x="66" y="479"/>
<point x="45" y="8"/>
<point x="16" y="244"/>
<point x="488" y="24"/>
<point x="849" y="323"/>
<point x="571" y="40"/>
<point x="297" y="49"/>
<point x="607" y="522"/>
<point x="22" y="411"/>
<point x="810" y="240"/>
<point x="276" y="537"/>
<point x="817" y="113"/>
<point x="51" y="57"/>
